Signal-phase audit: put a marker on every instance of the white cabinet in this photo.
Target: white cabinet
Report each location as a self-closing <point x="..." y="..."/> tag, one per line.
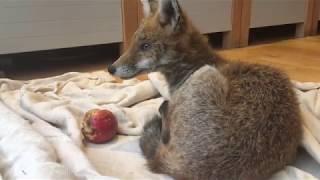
<point x="30" y="25"/>
<point x="277" y="12"/>
<point x="209" y="15"/>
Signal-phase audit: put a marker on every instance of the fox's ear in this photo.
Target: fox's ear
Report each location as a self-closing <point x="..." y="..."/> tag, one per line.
<point x="170" y="14"/>
<point x="149" y="7"/>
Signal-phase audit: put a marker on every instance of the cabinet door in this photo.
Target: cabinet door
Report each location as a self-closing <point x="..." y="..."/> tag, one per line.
<point x="29" y="25"/>
<point x="209" y="15"/>
<point x="277" y="12"/>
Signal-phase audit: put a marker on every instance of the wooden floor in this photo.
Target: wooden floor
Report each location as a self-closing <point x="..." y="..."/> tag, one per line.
<point x="300" y="58"/>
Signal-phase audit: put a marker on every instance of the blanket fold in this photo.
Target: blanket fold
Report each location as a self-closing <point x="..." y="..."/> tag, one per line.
<point x="25" y="153"/>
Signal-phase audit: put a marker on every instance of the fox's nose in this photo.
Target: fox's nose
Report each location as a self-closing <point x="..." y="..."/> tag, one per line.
<point x="111" y="69"/>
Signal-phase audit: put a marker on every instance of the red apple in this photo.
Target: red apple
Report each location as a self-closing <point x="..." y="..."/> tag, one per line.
<point x="99" y="126"/>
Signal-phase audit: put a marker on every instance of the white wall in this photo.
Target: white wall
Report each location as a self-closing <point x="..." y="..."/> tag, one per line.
<point x="28" y="25"/>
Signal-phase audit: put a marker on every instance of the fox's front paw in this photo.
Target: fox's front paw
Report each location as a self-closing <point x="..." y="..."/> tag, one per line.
<point x="150" y="138"/>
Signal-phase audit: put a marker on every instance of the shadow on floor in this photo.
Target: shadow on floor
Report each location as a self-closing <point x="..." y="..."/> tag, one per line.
<point x="24" y="66"/>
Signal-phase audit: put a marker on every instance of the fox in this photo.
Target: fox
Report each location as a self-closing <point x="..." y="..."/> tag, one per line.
<point x="223" y="120"/>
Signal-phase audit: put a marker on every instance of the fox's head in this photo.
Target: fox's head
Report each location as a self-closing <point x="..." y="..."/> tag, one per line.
<point x="162" y="39"/>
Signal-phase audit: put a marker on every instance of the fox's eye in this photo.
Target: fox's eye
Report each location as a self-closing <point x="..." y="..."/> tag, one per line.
<point x="145" y="46"/>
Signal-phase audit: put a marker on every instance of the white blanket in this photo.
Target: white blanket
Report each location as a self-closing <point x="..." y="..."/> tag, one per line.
<point x="40" y="136"/>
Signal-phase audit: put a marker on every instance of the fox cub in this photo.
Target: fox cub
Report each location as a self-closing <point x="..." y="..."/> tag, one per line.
<point x="224" y="120"/>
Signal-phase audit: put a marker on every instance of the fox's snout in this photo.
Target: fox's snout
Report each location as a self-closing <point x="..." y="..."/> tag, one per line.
<point x="125" y="67"/>
<point x="121" y="68"/>
<point x="111" y="69"/>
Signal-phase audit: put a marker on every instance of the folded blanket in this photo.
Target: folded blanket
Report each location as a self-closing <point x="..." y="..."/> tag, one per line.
<point x="40" y="136"/>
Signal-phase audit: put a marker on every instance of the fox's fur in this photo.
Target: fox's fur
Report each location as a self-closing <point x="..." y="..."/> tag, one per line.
<point x="224" y="120"/>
